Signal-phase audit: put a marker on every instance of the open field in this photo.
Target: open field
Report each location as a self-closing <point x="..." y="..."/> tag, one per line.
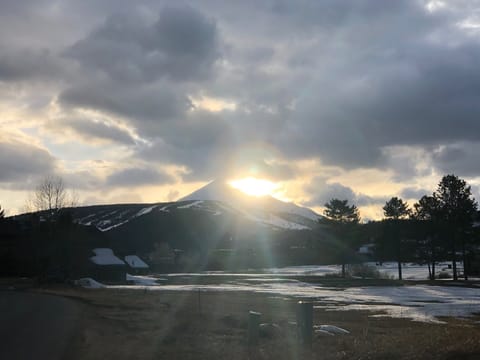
<point x="127" y="324"/>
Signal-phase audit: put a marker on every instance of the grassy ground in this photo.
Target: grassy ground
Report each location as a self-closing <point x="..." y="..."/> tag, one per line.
<point x="126" y="324"/>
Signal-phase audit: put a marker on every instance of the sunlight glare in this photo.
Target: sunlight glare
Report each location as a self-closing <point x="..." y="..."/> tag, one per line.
<point x="255" y="187"/>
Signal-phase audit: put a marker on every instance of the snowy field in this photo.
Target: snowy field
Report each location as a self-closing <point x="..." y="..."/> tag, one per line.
<point x="410" y="271"/>
<point x="417" y="302"/>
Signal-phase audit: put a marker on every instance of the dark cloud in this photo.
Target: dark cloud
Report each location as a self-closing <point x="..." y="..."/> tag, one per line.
<point x="201" y="141"/>
<point x="22" y="163"/>
<point x="143" y="105"/>
<point x="387" y="85"/>
<point x="211" y="145"/>
<point x="181" y="45"/>
<point x="411" y="101"/>
<point x="460" y="159"/>
<point x="138" y="176"/>
<point x="29" y="64"/>
<point x="321" y="192"/>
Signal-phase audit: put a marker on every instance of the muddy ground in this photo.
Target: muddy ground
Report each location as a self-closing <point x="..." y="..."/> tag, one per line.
<point x="134" y="324"/>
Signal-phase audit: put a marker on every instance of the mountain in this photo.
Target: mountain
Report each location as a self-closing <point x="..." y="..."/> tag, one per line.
<point x="262" y="206"/>
<point x="214" y="199"/>
<point x="216" y="218"/>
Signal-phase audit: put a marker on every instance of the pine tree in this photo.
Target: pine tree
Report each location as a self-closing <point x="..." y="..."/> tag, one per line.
<point x="394" y="211"/>
<point x="457" y="209"/>
<point x="427" y="214"/>
<point x="342" y="218"/>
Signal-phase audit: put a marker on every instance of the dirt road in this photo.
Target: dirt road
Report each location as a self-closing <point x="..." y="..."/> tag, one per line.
<point x="36" y="326"/>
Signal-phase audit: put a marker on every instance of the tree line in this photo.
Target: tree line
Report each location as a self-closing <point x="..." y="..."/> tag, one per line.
<point x="438" y="227"/>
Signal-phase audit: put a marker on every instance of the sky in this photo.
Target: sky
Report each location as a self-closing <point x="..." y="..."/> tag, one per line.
<point x="146" y="101"/>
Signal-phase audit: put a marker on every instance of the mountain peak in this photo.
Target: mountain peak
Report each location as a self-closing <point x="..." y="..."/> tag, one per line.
<point x="216" y="190"/>
<point x="220" y="190"/>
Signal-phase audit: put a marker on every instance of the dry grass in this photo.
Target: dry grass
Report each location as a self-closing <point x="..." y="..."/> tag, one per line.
<point x="126" y="324"/>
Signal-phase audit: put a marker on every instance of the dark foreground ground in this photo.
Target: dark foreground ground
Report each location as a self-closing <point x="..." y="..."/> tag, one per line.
<point x="128" y="324"/>
<point x="36" y="326"/>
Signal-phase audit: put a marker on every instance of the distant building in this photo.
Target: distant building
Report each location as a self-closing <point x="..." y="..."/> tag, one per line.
<point x="136" y="265"/>
<point x="105" y="266"/>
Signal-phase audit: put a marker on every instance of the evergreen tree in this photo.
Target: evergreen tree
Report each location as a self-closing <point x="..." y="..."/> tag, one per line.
<point x="396" y="209"/>
<point x="395" y="212"/>
<point x="426" y="213"/>
<point x="342" y="219"/>
<point x="457" y="208"/>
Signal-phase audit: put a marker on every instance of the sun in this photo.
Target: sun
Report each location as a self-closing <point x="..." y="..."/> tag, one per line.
<point x="255" y="187"/>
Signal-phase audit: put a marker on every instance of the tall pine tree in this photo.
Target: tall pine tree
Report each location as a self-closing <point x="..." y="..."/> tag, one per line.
<point x="342" y="219"/>
<point x="395" y="212"/>
<point x="457" y="208"/>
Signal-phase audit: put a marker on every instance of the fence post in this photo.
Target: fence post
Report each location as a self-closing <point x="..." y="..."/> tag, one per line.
<point x="253" y="327"/>
<point x="199" y="302"/>
<point x="305" y="322"/>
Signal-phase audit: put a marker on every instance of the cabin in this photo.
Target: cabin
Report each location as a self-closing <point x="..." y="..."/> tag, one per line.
<point x="105" y="266"/>
<point x="136" y="265"/>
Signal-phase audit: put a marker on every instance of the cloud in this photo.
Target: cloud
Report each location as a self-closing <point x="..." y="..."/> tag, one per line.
<point x="182" y="44"/>
<point x="458" y="158"/>
<point x="28" y="64"/>
<point x="21" y="163"/>
<point x="414" y="193"/>
<point x="391" y="87"/>
<point x="138" y="176"/>
<point x="321" y="192"/>
<point x="143" y="105"/>
<point x="91" y="128"/>
<point x="201" y="141"/>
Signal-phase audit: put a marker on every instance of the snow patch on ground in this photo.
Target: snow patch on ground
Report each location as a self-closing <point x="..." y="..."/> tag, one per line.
<point x="330" y="329"/>
<point x="419" y="302"/>
<point x="425" y="303"/>
<point x="142" y="280"/>
<point x="89" y="283"/>
<point x="307" y="270"/>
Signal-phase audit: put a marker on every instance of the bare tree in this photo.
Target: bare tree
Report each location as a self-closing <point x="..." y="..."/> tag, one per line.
<point x="50" y="194"/>
<point x="73" y="199"/>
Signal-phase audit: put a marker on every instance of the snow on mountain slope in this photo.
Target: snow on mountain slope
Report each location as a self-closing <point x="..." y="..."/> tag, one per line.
<point x="216" y="199"/>
<point x="108" y="217"/>
<point x="264" y="209"/>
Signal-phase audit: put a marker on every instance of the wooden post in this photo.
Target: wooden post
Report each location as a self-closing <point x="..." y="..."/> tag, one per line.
<point x="305" y="322"/>
<point x="199" y="302"/>
<point x="253" y="327"/>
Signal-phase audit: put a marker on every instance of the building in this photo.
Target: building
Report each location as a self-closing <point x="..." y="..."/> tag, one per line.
<point x="136" y="265"/>
<point x="105" y="266"/>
